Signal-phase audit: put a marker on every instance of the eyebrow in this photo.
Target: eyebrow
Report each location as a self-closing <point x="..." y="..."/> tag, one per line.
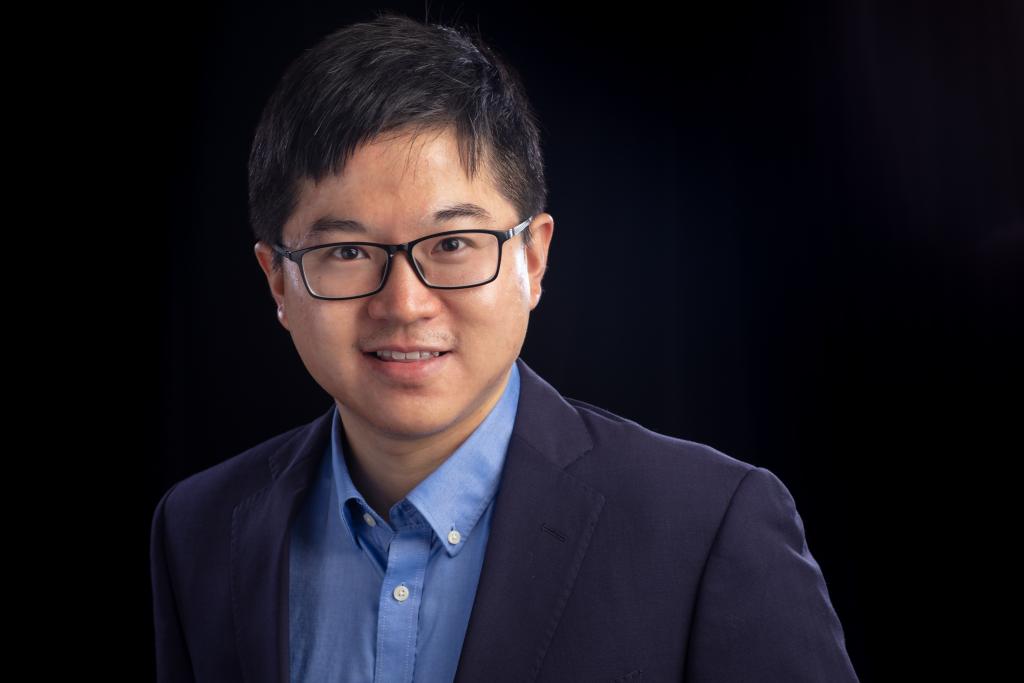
<point x="326" y="224"/>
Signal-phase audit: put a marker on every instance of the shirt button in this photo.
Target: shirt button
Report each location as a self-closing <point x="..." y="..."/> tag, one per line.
<point x="401" y="593"/>
<point x="369" y="519"/>
<point x="454" y="537"/>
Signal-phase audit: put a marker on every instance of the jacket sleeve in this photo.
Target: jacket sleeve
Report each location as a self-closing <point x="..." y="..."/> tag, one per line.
<point x="173" y="664"/>
<point x="763" y="611"/>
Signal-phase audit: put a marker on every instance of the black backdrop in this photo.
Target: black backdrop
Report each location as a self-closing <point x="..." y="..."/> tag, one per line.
<point x="815" y="214"/>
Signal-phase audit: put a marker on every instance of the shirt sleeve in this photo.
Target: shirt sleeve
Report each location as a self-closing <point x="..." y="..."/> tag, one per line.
<point x="173" y="664"/>
<point x="763" y="611"/>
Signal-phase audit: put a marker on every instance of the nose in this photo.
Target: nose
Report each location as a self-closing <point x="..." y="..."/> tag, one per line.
<point x="404" y="298"/>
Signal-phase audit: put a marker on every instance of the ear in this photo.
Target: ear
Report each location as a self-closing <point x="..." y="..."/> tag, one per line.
<point x="541" y="230"/>
<point x="275" y="279"/>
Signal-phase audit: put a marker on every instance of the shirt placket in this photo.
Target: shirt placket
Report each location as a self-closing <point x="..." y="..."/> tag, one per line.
<point x="401" y="595"/>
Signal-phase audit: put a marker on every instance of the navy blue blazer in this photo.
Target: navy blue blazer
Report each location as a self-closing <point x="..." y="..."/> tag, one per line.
<point x="615" y="554"/>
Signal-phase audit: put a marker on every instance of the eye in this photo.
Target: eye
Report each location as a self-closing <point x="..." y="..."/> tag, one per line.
<point x="450" y="241"/>
<point x="348" y="252"/>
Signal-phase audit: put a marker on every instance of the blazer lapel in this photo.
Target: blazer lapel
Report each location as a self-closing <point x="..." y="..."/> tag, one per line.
<point x="259" y="554"/>
<point x="541" y="528"/>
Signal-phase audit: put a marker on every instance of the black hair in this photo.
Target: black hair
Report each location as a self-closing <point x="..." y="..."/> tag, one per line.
<point x="393" y="75"/>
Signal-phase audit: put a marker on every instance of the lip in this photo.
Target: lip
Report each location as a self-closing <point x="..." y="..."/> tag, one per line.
<point x="408" y="374"/>
<point x="405" y="348"/>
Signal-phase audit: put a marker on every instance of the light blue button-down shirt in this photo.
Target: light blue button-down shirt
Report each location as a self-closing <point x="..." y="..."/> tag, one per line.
<point x="373" y="601"/>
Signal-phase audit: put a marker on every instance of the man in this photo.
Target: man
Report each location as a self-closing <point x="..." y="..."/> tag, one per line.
<point x="451" y="516"/>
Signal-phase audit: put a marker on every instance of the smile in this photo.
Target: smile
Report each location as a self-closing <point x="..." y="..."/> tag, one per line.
<point x="410" y="356"/>
<point x="412" y="369"/>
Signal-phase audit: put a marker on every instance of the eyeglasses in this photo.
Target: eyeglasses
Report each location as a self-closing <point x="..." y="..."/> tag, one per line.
<point x="454" y="259"/>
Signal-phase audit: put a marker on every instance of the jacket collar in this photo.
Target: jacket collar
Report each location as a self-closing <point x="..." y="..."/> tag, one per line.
<point x="540" y="530"/>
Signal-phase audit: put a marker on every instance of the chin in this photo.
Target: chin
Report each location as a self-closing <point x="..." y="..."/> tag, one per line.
<point x="405" y="413"/>
<point x="412" y="426"/>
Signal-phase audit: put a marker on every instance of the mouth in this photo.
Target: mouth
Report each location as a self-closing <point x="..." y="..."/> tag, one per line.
<point x="408" y="374"/>
<point x="388" y="359"/>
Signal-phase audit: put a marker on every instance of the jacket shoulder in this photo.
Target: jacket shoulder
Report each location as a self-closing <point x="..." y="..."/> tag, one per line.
<point x="639" y="469"/>
<point x="226" y="482"/>
<point x="644" y="474"/>
<point x="621" y="436"/>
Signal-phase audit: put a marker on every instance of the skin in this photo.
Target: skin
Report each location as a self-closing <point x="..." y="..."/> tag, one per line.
<point x="397" y="434"/>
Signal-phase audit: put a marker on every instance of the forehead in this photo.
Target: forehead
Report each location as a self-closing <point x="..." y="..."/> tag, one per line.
<point x="411" y="180"/>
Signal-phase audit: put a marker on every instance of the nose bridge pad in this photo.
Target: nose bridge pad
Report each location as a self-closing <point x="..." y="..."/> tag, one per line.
<point x="405" y="257"/>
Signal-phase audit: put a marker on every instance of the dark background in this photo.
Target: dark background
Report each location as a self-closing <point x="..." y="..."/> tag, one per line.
<point x="814" y="215"/>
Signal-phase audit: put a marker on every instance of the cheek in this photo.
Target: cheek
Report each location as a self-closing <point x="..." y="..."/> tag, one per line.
<point x="497" y="306"/>
<point x="323" y="334"/>
<point x="519" y="275"/>
<point x="502" y="314"/>
<point x="294" y="288"/>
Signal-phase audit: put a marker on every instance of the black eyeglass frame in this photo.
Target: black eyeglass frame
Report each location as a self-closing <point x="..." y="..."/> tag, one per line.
<point x="392" y="249"/>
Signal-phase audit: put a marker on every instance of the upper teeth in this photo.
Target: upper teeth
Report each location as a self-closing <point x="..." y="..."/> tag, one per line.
<point x="411" y="355"/>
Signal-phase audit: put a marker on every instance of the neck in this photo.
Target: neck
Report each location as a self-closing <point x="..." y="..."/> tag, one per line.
<point x="385" y="468"/>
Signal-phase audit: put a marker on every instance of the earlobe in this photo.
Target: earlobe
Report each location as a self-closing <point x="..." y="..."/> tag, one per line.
<point x="275" y="280"/>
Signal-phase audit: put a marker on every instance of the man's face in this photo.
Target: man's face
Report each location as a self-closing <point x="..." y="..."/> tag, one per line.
<point x="393" y="187"/>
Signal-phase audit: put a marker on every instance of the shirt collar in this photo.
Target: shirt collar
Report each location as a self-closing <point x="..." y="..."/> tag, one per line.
<point x="454" y="496"/>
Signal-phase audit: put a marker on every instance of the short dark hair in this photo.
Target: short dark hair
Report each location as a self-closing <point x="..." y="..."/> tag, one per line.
<point x="391" y="75"/>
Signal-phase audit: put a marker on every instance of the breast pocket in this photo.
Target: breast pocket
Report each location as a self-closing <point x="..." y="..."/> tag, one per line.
<point x="632" y="677"/>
